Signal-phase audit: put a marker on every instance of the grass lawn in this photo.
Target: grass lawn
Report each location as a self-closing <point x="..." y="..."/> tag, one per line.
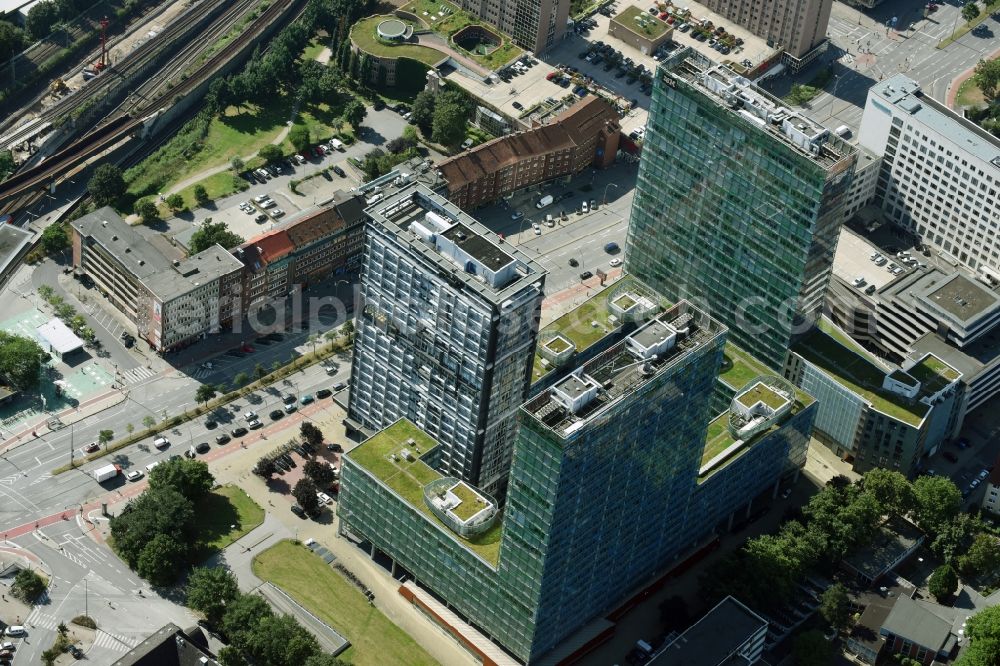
<point x="311" y="51"/>
<point x="431" y="7"/>
<point x="739" y="368"/>
<point x="718" y="438"/>
<point x="364" y="36"/>
<point x="217" y="185"/>
<point x="322" y="121"/>
<point x="375" y="641"/>
<point x="969" y="94"/>
<point x="641" y="22"/>
<point x="225" y="515"/>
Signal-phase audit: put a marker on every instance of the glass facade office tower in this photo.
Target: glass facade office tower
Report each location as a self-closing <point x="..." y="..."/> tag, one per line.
<point x="604" y="464"/>
<point x="445" y="334"/>
<point x="738" y="204"/>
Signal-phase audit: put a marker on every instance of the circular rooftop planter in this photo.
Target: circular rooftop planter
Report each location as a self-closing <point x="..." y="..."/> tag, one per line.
<point x="466" y="510"/>
<point x="393" y="30"/>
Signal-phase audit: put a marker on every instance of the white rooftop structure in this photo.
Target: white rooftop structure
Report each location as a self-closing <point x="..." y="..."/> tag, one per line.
<point x="58" y="337"/>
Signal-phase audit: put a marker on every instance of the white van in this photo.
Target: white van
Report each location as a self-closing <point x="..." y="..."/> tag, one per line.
<point x="150" y="466"/>
<point x="544" y="201"/>
<point x="843" y="131"/>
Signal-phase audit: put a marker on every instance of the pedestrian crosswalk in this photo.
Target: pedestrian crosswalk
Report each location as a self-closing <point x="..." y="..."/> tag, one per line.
<point x="136" y="375"/>
<point x="40" y="620"/>
<point x="116" y="642"/>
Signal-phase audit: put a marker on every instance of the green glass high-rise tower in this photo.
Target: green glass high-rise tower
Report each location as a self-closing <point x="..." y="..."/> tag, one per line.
<point x="738" y="204"/>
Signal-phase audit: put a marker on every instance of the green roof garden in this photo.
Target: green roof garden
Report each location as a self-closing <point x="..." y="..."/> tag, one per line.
<point x="718" y="438"/>
<point x="641" y="23"/>
<point x="382" y="457"/>
<point x="856" y="371"/>
<point x="740" y="368"/>
<point x="363" y="33"/>
<point x="933" y="374"/>
<point x="761" y="393"/>
<point x="470" y="502"/>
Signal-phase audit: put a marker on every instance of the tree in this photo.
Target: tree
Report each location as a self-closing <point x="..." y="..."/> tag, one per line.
<point x="160" y="560"/>
<point x="835" y="606"/>
<point x="28" y="585"/>
<point x="211" y="233"/>
<point x="449" y="123"/>
<point x="400" y="143"/>
<point x="41" y="18"/>
<point x="129" y="428"/>
<point x="201" y="194"/>
<point x="305" y="494"/>
<point x="211" y="591"/>
<point x="190" y="478"/>
<point x="241" y="379"/>
<point x="148" y="211"/>
<point x="299" y="137"/>
<point x="205" y="392"/>
<point x="55" y="239"/>
<point x="12" y="40"/>
<point x="970" y="11"/>
<point x="348" y="330"/>
<point x="354" y="113"/>
<point x="938" y="501"/>
<point x="270" y="153"/>
<point x="107" y="185"/>
<point x="21" y="360"/>
<point x="237" y="164"/>
<point x="811" y="649"/>
<point x="7" y="165"/>
<point x="156" y="511"/>
<point x="987" y="77"/>
<point x="422" y="111"/>
<point x="320" y="472"/>
<point x="311" y="434"/>
<point x="104" y="437"/>
<point x="242" y="617"/>
<point x="259" y="371"/>
<point x="175" y="201"/>
<point x="955" y="537"/>
<point x="148" y="422"/>
<point x="943" y="582"/>
<point x="281" y="641"/>
<point x="983" y="556"/>
<point x="983" y="632"/>
<point x="891" y="490"/>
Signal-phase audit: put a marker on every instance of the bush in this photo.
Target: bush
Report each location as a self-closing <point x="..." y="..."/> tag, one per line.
<point x="28" y="586"/>
<point x="85" y="621"/>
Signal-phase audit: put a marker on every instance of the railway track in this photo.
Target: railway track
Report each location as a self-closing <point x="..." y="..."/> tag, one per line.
<point x="21" y="190"/>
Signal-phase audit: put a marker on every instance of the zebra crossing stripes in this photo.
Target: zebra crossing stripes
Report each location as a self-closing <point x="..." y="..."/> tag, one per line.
<point x="136" y="375"/>
<point x="115" y="642"/>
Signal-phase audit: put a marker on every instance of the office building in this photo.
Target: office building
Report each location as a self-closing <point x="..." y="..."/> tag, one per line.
<point x="622" y="399"/>
<point x="448" y="321"/>
<point x="991" y="495"/>
<point x="797" y="26"/>
<point x="728" y="635"/>
<point x="738" y="204"/>
<point x="585" y="135"/>
<point x="172" y="302"/>
<point x="566" y="551"/>
<point x="939" y="176"/>
<point x="872" y="413"/>
<point x="535" y="25"/>
<point x="307" y="248"/>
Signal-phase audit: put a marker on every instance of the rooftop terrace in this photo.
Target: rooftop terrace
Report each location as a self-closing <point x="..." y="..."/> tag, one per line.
<point x="852" y="367"/>
<point x="641" y="22"/>
<point x="761" y="393"/>
<point x="619" y="371"/>
<point x="382" y="456"/>
<point x="759" y="108"/>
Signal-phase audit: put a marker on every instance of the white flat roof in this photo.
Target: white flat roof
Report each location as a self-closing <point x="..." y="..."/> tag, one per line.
<point x="59" y="337"/>
<point x="853" y="260"/>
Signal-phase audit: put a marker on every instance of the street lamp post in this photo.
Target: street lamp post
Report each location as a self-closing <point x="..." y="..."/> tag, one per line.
<point x="614" y="185"/>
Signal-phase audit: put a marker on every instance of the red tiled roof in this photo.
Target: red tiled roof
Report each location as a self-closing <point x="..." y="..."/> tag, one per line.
<point x="274" y="246"/>
<point x="570" y="128"/>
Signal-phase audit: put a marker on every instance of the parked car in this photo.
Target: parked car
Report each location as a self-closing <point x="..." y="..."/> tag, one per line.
<point x="277" y="414"/>
<point x="323" y="393"/>
<point x="340" y="172"/>
<point x="615" y="262"/>
<point x="323" y="498"/>
<point x="299" y="511"/>
<point x="586" y="275"/>
<point x="239" y="432"/>
<point x="306" y="399"/>
<point x="339" y="386"/>
<point x="202" y="447"/>
<point x="518" y="105"/>
<point x="211" y="425"/>
<point x="134" y="475"/>
<point x="161" y="442"/>
<point x="222" y="439"/>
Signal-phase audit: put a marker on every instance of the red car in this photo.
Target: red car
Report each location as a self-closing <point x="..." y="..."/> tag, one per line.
<point x="93" y="447"/>
<point x="247" y="348"/>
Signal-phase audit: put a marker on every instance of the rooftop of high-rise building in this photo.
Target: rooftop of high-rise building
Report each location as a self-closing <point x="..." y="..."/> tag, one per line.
<point x="601" y="315"/>
<point x="453" y="241"/>
<point x="904" y="93"/>
<point x="395" y="456"/>
<point x="594" y="387"/>
<point x="852" y="366"/>
<point x="758" y="107"/>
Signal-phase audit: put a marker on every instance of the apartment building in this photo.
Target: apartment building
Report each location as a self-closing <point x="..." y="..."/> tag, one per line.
<point x="448" y="321"/>
<point x="308" y="247"/>
<point x="940" y="173"/>
<point x="534" y="25"/>
<point x="797" y="26"/>
<point x="738" y="203"/>
<point x="173" y="303"/>
<point x="582" y="136"/>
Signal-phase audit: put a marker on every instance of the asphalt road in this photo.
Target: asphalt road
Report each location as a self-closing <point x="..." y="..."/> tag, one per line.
<point x="29" y="491"/>
<point x="865" y="52"/>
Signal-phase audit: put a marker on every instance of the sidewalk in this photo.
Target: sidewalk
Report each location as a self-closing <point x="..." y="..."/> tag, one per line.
<point x="68" y="416"/>
<point x="957" y="82"/>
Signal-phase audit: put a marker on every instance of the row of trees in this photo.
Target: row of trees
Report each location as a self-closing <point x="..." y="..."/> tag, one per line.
<point x="65" y="311"/>
<point x="839" y="519"/>
<point x="154" y="532"/>
<point x="21" y="360"/>
<point x="255" y="634"/>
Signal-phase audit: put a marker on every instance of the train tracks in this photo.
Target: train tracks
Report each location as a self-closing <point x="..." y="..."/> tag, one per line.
<point x="22" y="188"/>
